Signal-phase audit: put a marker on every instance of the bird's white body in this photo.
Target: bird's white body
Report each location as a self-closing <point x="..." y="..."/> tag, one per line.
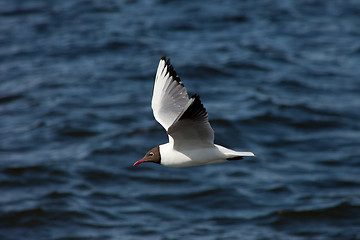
<point x="171" y="157"/>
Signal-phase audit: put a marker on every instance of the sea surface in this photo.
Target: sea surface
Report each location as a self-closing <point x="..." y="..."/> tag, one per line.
<point x="278" y="78"/>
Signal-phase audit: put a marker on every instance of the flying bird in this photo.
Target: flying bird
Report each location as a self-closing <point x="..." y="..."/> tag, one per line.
<point x="191" y="138"/>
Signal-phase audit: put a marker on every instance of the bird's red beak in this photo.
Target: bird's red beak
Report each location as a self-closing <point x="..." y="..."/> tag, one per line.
<point x="140" y="161"/>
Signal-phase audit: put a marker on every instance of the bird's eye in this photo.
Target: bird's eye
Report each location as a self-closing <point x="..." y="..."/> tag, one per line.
<point x="151" y="154"/>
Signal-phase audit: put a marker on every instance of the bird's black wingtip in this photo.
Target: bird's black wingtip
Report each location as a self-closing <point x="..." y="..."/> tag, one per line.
<point x="171" y="70"/>
<point x="196" y="110"/>
<point x="235" y="158"/>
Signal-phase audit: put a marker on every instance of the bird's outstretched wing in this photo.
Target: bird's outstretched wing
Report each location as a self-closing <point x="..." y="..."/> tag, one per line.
<point x="169" y="95"/>
<point x="185" y="120"/>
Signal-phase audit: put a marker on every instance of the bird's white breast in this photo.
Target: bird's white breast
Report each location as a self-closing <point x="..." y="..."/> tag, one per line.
<point x="187" y="158"/>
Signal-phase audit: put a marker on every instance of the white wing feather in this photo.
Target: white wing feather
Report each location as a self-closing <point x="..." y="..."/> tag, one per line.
<point x="169" y="95"/>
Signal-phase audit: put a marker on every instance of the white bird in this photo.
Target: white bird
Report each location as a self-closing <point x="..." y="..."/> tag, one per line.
<point x="191" y="138"/>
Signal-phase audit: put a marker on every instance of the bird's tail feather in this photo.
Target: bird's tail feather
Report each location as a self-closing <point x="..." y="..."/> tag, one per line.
<point x="234" y="155"/>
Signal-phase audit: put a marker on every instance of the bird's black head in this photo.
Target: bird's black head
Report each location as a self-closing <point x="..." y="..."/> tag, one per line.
<point x="151" y="156"/>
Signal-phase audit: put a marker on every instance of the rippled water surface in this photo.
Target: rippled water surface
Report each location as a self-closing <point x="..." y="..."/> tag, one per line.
<point x="278" y="78"/>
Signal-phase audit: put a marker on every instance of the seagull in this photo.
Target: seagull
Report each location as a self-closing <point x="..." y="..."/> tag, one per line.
<point x="191" y="138"/>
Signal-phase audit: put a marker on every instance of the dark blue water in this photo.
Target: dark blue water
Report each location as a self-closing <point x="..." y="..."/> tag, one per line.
<point x="278" y="78"/>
